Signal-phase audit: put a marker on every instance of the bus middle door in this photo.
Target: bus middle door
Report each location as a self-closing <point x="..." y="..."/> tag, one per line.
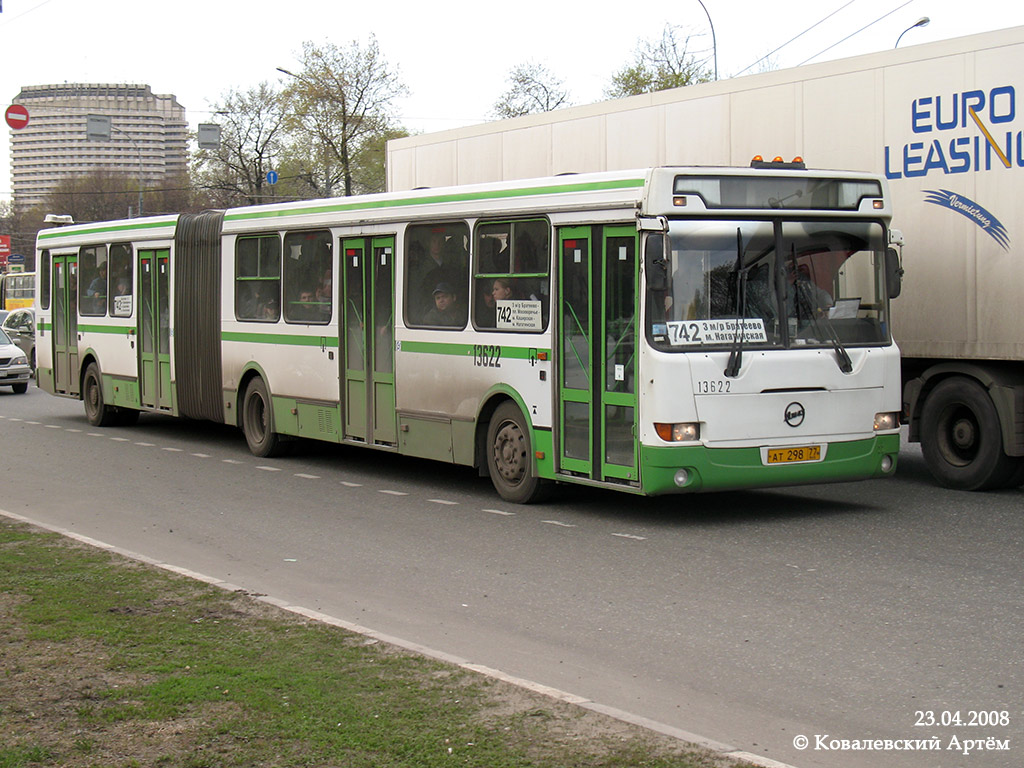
<point x="367" y="339"/>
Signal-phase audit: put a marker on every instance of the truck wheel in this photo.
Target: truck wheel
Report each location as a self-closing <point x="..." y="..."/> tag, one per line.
<point x="258" y="420"/>
<point x="97" y="412"/>
<point x="961" y="439"/>
<point x="510" y="457"/>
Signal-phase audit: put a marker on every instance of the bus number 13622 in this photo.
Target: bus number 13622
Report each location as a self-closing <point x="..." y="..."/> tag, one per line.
<point x="487" y="355"/>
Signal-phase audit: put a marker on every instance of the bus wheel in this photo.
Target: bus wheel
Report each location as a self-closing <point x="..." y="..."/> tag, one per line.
<point x="96" y="411"/>
<point x="510" y="457"/>
<point x="258" y="420"/>
<point x="961" y="438"/>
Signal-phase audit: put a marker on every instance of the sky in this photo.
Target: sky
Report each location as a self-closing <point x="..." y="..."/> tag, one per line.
<point x="454" y="56"/>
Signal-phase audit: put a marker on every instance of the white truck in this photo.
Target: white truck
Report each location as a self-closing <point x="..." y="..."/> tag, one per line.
<point x="939" y="120"/>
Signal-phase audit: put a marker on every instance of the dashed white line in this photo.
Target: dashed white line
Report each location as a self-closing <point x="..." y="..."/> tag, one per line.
<point x="72" y="429"/>
<point x="307" y="477"/>
<point x="36" y="423"/>
<point x="393" y="493"/>
<point x="173" y="450"/>
<point x="200" y="455"/>
<point x="147" y="445"/>
<point x="630" y="536"/>
<point x="351" y="485"/>
<point x="53" y="426"/>
<point x="232" y="461"/>
<point x="559" y="523"/>
<point x="269" y="469"/>
<point x="443" y="501"/>
<point x="121" y="439"/>
<point x="500" y="512"/>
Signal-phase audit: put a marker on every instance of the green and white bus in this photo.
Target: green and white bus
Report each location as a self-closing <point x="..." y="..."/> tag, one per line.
<point x="659" y="331"/>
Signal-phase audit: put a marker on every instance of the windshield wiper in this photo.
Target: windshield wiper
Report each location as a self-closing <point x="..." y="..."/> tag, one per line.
<point x="803" y="299"/>
<point x="732" y="368"/>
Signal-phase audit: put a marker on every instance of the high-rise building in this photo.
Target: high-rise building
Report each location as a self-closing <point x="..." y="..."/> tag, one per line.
<point x="148" y="137"/>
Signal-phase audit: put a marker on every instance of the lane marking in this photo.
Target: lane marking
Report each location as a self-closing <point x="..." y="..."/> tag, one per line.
<point x="630" y="536"/>
<point x="307" y="477"/>
<point x="443" y="501"/>
<point x="500" y="512"/>
<point x="351" y="485"/>
<point x="558" y="523"/>
<point x="269" y="469"/>
<point x="393" y="493"/>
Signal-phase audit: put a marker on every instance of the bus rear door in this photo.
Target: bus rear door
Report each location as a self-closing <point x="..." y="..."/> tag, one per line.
<point x="154" y="329"/>
<point x="65" y="324"/>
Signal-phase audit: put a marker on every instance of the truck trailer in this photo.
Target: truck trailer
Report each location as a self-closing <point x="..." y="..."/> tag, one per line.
<point x="939" y="120"/>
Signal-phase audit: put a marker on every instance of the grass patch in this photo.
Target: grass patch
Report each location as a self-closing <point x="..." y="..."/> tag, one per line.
<point x="107" y="662"/>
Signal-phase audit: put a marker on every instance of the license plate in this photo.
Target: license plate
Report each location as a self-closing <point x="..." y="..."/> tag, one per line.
<point x="794" y="455"/>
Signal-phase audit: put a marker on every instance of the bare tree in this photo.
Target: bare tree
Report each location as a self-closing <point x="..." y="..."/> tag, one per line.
<point x="340" y="102"/>
<point x="532" y="89"/>
<point x="252" y="133"/>
<point x="659" y="65"/>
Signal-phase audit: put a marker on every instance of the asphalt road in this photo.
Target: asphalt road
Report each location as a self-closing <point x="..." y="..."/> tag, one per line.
<point x="830" y="612"/>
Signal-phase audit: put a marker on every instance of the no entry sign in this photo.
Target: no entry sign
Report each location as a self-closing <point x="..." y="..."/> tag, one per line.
<point x="16" y="116"/>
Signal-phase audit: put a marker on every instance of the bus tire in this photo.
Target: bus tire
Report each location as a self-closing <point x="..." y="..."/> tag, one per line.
<point x="258" y="420"/>
<point x="510" y="457"/>
<point x="961" y="438"/>
<point x="98" y="413"/>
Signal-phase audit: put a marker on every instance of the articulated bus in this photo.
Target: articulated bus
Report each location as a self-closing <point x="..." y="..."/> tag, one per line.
<point x="17" y="290"/>
<point x="659" y="331"/>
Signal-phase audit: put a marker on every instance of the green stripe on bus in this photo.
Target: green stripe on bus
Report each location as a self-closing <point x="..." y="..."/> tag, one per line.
<point x="281" y="338"/>
<point x="467" y="350"/>
<point x="496" y="194"/>
<point x="49" y="234"/>
<point x="105" y="328"/>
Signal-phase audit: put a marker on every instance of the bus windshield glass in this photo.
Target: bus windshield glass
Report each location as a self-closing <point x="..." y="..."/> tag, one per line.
<point x="793" y="283"/>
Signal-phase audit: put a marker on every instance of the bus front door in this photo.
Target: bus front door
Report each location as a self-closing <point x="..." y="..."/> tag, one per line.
<point x="65" y="324"/>
<point x="597" y="400"/>
<point x="367" y="340"/>
<point x="154" y="329"/>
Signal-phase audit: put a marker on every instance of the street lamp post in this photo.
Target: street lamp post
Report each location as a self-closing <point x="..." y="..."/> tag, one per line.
<point x="714" y="44"/>
<point x="922" y="22"/>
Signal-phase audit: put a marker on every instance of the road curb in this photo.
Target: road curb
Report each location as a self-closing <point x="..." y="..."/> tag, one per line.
<point x="720" y="748"/>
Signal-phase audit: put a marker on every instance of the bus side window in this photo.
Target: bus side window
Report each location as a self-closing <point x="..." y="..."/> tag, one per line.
<point x="44" y="280"/>
<point x="92" y="281"/>
<point x="258" y="278"/>
<point x="437" y="264"/>
<point x="120" y="298"/>
<point x="308" y="278"/>
<point x="511" y="266"/>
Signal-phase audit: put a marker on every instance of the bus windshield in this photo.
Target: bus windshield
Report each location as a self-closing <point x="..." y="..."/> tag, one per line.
<point x="795" y="284"/>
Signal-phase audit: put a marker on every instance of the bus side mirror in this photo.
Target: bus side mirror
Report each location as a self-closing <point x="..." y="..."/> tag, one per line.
<point x="657" y="269"/>
<point x="893" y="272"/>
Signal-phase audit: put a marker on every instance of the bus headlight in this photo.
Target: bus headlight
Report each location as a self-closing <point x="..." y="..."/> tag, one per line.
<point x="884" y="421"/>
<point x="684" y="432"/>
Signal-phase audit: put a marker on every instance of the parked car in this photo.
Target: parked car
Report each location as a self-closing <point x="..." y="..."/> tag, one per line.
<point x="20" y="326"/>
<point x="14" y="370"/>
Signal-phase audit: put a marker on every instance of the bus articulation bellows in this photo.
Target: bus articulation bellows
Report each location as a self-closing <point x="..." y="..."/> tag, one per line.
<point x="657" y="331"/>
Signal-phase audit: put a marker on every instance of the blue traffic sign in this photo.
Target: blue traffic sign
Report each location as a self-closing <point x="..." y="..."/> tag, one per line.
<point x="271" y="178"/>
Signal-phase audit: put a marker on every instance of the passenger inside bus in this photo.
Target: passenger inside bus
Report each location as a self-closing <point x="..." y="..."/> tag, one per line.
<point x="446" y="310"/>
